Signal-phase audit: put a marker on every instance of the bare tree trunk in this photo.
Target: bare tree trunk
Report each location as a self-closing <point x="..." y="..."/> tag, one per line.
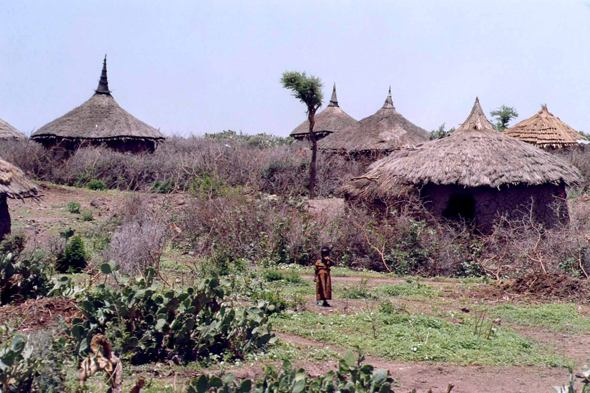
<point x="314" y="153"/>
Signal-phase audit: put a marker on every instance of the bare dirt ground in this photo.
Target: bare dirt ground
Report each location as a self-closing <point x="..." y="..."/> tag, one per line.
<point x="37" y="314"/>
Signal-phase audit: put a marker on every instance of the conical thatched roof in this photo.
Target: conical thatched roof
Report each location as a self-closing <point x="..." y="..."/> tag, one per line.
<point x="99" y="118"/>
<point x="385" y="131"/>
<point x="330" y="120"/>
<point x="14" y="184"/>
<point x="474" y="155"/>
<point x="545" y="131"/>
<point x="9" y="132"/>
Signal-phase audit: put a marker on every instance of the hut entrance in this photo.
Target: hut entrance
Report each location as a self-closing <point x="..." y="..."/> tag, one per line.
<point x="460" y="207"/>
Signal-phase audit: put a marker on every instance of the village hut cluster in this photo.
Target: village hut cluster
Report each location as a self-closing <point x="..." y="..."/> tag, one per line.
<point x="375" y="136"/>
<point x="475" y="174"/>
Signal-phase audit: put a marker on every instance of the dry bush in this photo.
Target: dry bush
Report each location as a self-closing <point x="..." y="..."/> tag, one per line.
<point x="183" y="163"/>
<point x="520" y="246"/>
<point x="580" y="158"/>
<point x="138" y="243"/>
<point x="231" y="229"/>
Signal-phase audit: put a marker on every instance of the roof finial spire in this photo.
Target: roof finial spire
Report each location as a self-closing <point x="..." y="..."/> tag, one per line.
<point x="103" y="83"/>
<point x="388" y="100"/>
<point x="334" y="99"/>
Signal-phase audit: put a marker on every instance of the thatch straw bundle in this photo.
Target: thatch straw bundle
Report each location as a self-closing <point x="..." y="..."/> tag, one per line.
<point x="474" y="155"/>
<point x="383" y="132"/>
<point x="14" y="184"/>
<point x="330" y="120"/>
<point x="545" y="131"/>
<point x="8" y="132"/>
<point x="98" y="119"/>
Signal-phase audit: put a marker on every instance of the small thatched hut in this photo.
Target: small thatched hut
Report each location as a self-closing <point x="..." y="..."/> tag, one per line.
<point x="477" y="173"/>
<point x="379" y="134"/>
<point x="546" y="131"/>
<point x="9" y="133"/>
<point x="99" y="121"/>
<point x="13" y="184"/>
<point x="330" y="120"/>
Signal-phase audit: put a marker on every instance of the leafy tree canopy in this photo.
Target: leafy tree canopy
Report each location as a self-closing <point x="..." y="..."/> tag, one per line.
<point x="307" y="89"/>
<point x="441" y="132"/>
<point x="504" y="115"/>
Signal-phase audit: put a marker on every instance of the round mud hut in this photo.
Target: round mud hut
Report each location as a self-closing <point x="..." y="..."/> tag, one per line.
<point x="475" y="174"/>
<point x="331" y="120"/>
<point x="100" y="121"/>
<point x="9" y="133"/>
<point x="375" y="136"/>
<point x="546" y="131"/>
<point x="13" y="184"/>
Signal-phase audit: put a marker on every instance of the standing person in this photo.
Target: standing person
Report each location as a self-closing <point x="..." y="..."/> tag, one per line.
<point x="323" y="279"/>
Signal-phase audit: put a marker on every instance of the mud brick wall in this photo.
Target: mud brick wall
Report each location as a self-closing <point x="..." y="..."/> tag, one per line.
<point x="548" y="206"/>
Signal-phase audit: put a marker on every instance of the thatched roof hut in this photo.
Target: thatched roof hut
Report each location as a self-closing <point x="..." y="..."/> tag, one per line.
<point x="546" y="131"/>
<point x="383" y="132"/>
<point x="476" y="173"/>
<point x="99" y="121"/>
<point x="331" y="120"/>
<point x="8" y="132"/>
<point x="13" y="184"/>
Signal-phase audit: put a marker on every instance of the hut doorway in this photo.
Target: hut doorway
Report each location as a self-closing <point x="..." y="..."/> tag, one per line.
<point x="460" y="207"/>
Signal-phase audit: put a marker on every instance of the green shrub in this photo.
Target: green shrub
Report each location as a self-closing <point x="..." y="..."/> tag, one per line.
<point x="359" y="292"/>
<point x="273" y="275"/>
<point x="163" y="187"/>
<point x="207" y="185"/>
<point x="146" y="323"/>
<point x="87" y="215"/>
<point x="96" y="185"/>
<point x="351" y="376"/>
<point x="21" y="277"/>
<point x="74" y="257"/>
<point x="276" y="302"/>
<point x="73" y="207"/>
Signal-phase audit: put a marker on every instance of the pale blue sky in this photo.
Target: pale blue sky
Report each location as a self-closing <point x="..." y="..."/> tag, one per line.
<point x="205" y="66"/>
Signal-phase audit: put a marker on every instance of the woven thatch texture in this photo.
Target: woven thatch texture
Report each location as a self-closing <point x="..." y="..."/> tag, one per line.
<point x="545" y="131"/>
<point x="330" y="120"/>
<point x="384" y="131"/>
<point x="474" y="155"/>
<point x="13" y="182"/>
<point x="98" y="118"/>
<point x="9" y="132"/>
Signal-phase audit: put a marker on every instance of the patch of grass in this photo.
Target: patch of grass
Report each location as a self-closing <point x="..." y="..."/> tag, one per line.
<point x="288" y="276"/>
<point x="87" y="215"/>
<point x="358" y="292"/>
<point x="551" y="317"/>
<point x="418" y="338"/>
<point x="407" y="290"/>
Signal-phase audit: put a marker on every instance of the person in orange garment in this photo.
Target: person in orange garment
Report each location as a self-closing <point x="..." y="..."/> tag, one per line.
<point x="323" y="279"/>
